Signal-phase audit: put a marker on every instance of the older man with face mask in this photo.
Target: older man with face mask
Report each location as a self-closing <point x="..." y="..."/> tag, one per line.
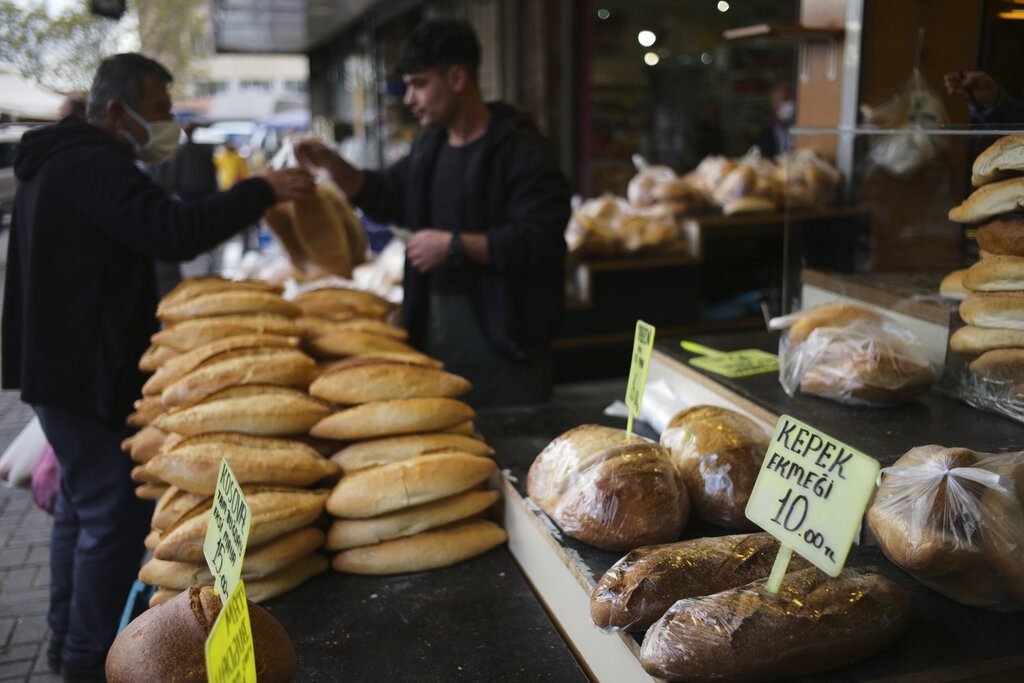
<point x="78" y="313"/>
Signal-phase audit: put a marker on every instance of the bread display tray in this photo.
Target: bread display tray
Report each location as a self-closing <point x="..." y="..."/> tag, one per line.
<point x="945" y="642"/>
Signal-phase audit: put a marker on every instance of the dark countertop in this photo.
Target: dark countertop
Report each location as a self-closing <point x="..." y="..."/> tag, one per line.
<point x="942" y="633"/>
<point x="473" y="621"/>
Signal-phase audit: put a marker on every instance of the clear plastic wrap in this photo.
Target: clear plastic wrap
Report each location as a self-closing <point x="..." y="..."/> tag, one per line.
<point x="609" y="225"/>
<point x="609" y="489"/>
<point x="814" y="624"/>
<point x="640" y="587"/>
<point x="993" y="381"/>
<point x="851" y="355"/>
<point x="641" y="190"/>
<point x="718" y="454"/>
<point x="954" y="519"/>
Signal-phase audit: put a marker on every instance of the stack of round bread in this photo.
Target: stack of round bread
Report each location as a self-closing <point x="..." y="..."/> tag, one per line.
<point x="993" y="301"/>
<point x="412" y="489"/>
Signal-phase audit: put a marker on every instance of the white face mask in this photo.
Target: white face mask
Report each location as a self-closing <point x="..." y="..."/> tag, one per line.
<point x="785" y="111"/>
<point x="164" y="138"/>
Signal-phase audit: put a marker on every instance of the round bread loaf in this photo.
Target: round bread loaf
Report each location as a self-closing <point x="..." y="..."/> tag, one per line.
<point x="994" y="309"/>
<point x="952" y="286"/>
<point x="168" y="643"/>
<point x="972" y="339"/>
<point x="1004" y="196"/>
<point x="1000" y="365"/>
<point x="609" y="489"/>
<point x="1004" y="235"/>
<point x="875" y="376"/>
<point x="1002" y="157"/>
<point x="996" y="274"/>
<point x="718" y="454"/>
<point x="828" y="315"/>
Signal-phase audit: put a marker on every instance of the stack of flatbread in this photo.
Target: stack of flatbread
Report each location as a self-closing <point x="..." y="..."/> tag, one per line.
<point x="993" y="288"/>
<point x="414" y="469"/>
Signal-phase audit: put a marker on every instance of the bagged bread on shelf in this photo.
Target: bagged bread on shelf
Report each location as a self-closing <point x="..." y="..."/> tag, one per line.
<point x="851" y="355"/>
<point x="814" y="624"/>
<point x="805" y="179"/>
<point x="638" y="589"/>
<point x="1003" y="157"/>
<point x="641" y="188"/>
<point x="431" y="549"/>
<point x="193" y="463"/>
<point x="609" y="489"/>
<point x="954" y="520"/>
<point x="169" y="643"/>
<point x="718" y="454"/>
<point x="365" y="380"/>
<point x="1002" y="236"/>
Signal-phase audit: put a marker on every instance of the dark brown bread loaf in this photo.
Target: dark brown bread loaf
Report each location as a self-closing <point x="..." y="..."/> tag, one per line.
<point x="608" y="489"/>
<point x="637" y="590"/>
<point x="1004" y="235"/>
<point x="814" y="624"/>
<point x="167" y="643"/>
<point x="718" y="453"/>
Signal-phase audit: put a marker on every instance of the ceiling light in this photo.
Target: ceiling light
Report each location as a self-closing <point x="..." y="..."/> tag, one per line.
<point x="706" y="58"/>
<point x="723" y="6"/>
<point x="603" y="14"/>
<point x="651" y="58"/>
<point x="646" y="38"/>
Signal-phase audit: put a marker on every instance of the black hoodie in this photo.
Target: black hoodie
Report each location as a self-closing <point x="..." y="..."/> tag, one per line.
<point x="521" y="198"/>
<point x="80" y="294"/>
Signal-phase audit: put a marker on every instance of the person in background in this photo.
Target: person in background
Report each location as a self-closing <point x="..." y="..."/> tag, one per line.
<point x="986" y="99"/>
<point x="482" y="191"/>
<point x="73" y="105"/>
<point x="774" y="139"/>
<point x="231" y="167"/>
<point x="78" y="313"/>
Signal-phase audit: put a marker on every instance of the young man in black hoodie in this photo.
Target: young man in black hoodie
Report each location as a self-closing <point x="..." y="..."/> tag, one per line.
<point x="482" y="191"/>
<point x="78" y="312"/>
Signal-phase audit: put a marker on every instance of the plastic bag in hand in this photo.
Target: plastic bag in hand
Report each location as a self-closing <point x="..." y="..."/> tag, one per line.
<point x="954" y="519"/>
<point x="851" y="355"/>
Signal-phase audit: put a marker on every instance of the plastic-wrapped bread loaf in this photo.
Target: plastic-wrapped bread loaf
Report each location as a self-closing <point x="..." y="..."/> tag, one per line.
<point x="608" y="489"/>
<point x="640" y="587"/>
<point x="718" y="453"/>
<point x="815" y="624"/>
<point x="953" y="519"/>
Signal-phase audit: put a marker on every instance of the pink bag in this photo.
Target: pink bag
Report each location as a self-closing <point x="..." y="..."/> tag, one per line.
<point x="46" y="480"/>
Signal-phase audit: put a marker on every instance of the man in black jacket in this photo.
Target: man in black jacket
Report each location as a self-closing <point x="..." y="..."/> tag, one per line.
<point x="78" y="312"/>
<point x="483" y="193"/>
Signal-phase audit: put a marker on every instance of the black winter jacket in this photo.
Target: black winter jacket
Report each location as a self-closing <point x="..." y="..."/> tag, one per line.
<point x="80" y="294"/>
<point x="519" y="195"/>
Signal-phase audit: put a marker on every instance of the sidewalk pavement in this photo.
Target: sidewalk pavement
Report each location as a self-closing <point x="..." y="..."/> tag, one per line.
<point x="24" y="567"/>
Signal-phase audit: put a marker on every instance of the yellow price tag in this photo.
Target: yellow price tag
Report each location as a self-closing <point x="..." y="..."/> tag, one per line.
<point x="228" y="531"/>
<point x="811" y="494"/>
<point x="229" y="649"/>
<point x="733" y="363"/>
<point x="643" y="343"/>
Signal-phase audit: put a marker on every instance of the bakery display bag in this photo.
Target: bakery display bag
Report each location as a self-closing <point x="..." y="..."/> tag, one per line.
<point x="851" y="355"/>
<point x="954" y="519"/>
<point x="718" y="454"/>
<point x="167" y="643"/>
<point x="814" y="624"/>
<point x="609" y="489"/>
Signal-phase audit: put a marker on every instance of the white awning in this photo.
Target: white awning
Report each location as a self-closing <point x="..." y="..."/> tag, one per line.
<point x="21" y="98"/>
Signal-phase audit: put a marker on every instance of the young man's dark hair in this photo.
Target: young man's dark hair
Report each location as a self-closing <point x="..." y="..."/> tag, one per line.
<point x="438" y="43"/>
<point x="120" y="77"/>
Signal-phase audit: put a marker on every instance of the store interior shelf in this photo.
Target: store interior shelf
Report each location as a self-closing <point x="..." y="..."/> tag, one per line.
<point x="784" y="32"/>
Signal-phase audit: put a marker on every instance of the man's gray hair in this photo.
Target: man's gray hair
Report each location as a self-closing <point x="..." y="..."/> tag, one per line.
<point x="120" y="77"/>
